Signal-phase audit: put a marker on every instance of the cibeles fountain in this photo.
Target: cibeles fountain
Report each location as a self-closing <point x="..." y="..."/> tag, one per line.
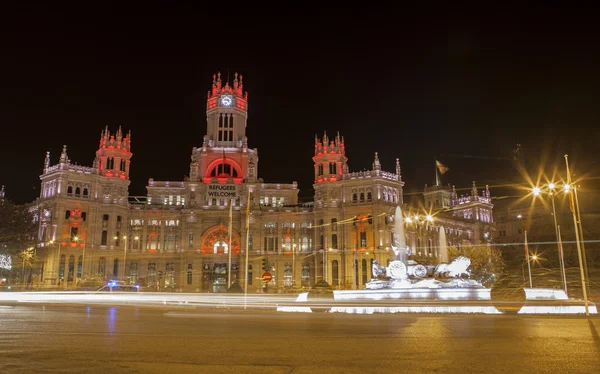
<point x="416" y="288"/>
<point x="402" y="273"/>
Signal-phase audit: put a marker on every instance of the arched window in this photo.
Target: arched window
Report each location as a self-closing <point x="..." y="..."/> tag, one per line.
<point x="221" y="247"/>
<point x="369" y="196"/>
<point x="365" y="273"/>
<point x="77" y="191"/>
<point x="86" y="192"/>
<point x="70" y="190"/>
<point x="362" y="197"/>
<point x="354" y="197"/>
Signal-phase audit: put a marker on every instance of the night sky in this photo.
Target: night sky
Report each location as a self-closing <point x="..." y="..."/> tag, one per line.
<point x="408" y="83"/>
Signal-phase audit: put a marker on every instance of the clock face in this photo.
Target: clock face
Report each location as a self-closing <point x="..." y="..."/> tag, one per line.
<point x="226" y="100"/>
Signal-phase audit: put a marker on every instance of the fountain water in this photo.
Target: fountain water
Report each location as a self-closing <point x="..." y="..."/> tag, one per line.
<point x="443" y="246"/>
<point x="399" y="244"/>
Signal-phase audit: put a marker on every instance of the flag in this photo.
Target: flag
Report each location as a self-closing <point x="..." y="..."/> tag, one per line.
<point x="441" y="167"/>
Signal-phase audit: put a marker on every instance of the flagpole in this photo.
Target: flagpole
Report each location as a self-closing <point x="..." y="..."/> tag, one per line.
<point x="247" y="246"/>
<point x="437" y="176"/>
<point x="229" y="245"/>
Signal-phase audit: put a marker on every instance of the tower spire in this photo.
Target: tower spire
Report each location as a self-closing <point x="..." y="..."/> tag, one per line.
<point x="376" y="163"/>
<point x="47" y="161"/>
<point x="64" y="159"/>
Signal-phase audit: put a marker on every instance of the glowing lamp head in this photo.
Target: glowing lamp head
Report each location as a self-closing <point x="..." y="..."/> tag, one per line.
<point x="519" y="216"/>
<point x="551" y="186"/>
<point x="567" y="187"/>
<point x="408" y="220"/>
<point x="429" y="218"/>
<point x="534" y="257"/>
<point x="76" y="238"/>
<point x="536" y="191"/>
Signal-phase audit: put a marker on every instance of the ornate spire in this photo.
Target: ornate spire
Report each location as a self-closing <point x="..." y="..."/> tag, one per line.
<point x="64" y="159"/>
<point x="376" y="163"/>
<point x="398" y="171"/>
<point x="474" y="192"/>
<point x="47" y="161"/>
<point x="487" y="191"/>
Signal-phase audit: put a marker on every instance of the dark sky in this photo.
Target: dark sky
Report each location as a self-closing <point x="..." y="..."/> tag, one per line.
<point x="408" y="83"/>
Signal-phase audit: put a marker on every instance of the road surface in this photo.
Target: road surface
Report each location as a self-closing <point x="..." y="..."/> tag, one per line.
<point x="130" y="339"/>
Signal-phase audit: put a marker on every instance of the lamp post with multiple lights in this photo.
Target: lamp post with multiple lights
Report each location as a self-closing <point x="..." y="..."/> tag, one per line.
<point x="551" y="189"/>
<point x="571" y="191"/>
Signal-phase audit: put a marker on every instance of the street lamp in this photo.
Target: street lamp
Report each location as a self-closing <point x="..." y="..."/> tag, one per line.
<point x="529" y="259"/>
<point x="124" y="237"/>
<point x="537" y="191"/>
<point x="575" y="223"/>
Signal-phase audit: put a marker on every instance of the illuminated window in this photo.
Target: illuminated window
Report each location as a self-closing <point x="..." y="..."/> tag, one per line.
<point x="151" y="274"/>
<point x="305" y="277"/>
<point x="74" y="231"/>
<point x="363" y="239"/>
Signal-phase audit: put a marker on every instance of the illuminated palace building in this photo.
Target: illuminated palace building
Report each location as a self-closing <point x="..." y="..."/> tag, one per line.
<point x="182" y="234"/>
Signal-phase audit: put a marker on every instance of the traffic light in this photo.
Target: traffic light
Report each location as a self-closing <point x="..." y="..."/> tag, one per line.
<point x="264" y="264"/>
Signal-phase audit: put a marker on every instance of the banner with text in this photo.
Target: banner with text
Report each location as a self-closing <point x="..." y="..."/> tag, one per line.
<point x="227" y="191"/>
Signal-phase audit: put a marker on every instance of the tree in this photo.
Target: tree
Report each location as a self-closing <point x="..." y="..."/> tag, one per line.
<point x="17" y="228"/>
<point x="487" y="263"/>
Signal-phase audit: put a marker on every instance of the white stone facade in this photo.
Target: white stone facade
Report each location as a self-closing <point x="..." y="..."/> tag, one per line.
<point x="177" y="237"/>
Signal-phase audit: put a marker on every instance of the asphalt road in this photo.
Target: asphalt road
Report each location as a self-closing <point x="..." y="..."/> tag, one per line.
<point x="127" y="339"/>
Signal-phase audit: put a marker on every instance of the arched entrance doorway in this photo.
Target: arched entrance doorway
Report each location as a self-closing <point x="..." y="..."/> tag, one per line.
<point x="215" y="250"/>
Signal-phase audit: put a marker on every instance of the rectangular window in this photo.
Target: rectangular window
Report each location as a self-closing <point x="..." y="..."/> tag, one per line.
<point x="117" y="239"/>
<point x="189" y="274"/>
<point x="74" y="231"/>
<point x="305" y="278"/>
<point x="104" y="239"/>
<point x="363" y="239"/>
<point x="105" y="217"/>
<point x="334" y="243"/>
<point x="334" y="224"/>
<point x="170" y="275"/>
<point x="191" y="241"/>
<point x="250" y="241"/>
<point x="152" y="274"/>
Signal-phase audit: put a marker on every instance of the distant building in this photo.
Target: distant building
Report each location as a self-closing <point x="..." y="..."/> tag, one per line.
<point x="179" y="236"/>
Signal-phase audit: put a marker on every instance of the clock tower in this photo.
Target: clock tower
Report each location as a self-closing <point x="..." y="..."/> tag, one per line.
<point x="226" y="113"/>
<point x="224" y="156"/>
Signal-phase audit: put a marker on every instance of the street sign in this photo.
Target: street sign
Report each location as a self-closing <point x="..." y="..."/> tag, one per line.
<point x="266" y="277"/>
